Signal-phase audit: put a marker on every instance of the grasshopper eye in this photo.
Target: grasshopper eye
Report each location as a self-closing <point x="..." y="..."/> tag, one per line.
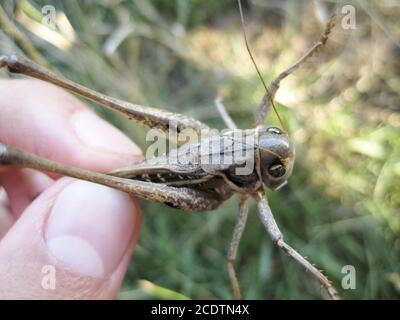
<point x="277" y="170"/>
<point x="274" y="130"/>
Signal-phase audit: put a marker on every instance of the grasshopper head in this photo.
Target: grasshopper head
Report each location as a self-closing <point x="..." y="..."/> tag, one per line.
<point x="276" y="157"/>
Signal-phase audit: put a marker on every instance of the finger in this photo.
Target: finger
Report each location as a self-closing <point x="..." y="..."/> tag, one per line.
<point x="49" y="122"/>
<point x="76" y="243"/>
<point x="6" y="218"/>
<point x="23" y="186"/>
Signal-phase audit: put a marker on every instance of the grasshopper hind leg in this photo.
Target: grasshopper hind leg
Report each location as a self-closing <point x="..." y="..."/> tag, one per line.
<point x="186" y="199"/>
<point x="147" y="116"/>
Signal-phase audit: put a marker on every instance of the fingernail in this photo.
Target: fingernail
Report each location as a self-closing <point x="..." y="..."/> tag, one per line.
<point x="98" y="134"/>
<point x="89" y="228"/>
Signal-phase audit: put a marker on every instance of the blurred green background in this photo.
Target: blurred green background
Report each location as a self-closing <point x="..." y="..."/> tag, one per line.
<point x="342" y="109"/>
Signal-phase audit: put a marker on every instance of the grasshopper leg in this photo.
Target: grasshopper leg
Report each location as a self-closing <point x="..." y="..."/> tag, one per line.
<point x="233" y="247"/>
<point x="150" y="117"/>
<point x="224" y="114"/>
<point x="268" y="220"/>
<point x="274" y="86"/>
<point x="181" y="198"/>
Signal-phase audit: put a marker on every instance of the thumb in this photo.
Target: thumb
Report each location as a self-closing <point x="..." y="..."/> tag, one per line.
<point x="73" y="242"/>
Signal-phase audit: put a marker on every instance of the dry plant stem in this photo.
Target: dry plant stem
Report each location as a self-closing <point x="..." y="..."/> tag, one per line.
<point x="224" y="114"/>
<point x="269" y="222"/>
<point x="150" y="117"/>
<point x="274" y="86"/>
<point x="233" y="247"/>
<point x="182" y="198"/>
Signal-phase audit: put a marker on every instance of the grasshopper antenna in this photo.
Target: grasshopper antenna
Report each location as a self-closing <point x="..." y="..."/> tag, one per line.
<point x="255" y="64"/>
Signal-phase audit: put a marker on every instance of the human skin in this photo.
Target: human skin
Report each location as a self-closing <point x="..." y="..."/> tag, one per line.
<point x="78" y="233"/>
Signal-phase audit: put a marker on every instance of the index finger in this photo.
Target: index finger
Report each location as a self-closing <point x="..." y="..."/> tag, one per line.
<point x="42" y="119"/>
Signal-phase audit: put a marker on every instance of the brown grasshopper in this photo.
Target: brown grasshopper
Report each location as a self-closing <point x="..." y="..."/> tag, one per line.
<point x="191" y="186"/>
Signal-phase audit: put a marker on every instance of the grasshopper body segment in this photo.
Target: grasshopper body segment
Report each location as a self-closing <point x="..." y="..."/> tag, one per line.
<point x="218" y="164"/>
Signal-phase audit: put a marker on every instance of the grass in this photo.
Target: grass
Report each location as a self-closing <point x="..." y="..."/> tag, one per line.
<point x="342" y="204"/>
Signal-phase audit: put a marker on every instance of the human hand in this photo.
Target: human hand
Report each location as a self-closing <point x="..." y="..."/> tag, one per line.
<point x="62" y="238"/>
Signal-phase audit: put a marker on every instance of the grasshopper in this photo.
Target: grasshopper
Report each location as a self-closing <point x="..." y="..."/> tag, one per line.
<point x="191" y="186"/>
